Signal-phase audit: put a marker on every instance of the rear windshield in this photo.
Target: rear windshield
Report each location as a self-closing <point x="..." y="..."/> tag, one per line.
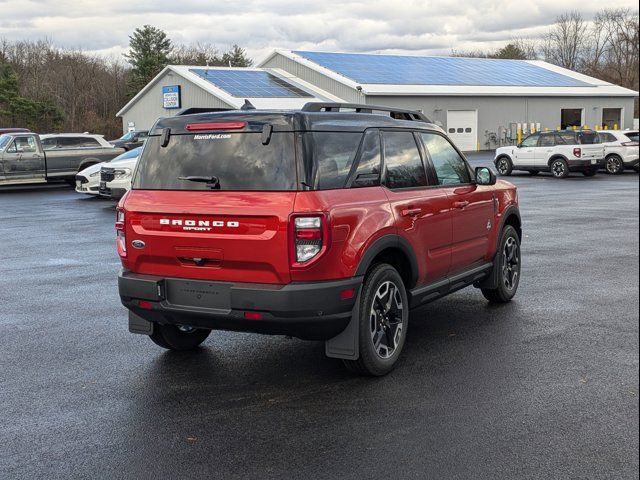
<point x="235" y="161"/>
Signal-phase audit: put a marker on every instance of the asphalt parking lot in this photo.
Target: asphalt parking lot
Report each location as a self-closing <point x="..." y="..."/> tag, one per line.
<point x="545" y="387"/>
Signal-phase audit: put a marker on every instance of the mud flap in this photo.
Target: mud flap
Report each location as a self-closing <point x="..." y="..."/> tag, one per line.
<point x="345" y="344"/>
<point x="139" y="325"/>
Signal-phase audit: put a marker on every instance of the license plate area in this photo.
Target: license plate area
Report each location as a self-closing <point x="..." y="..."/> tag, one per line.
<point x="207" y="295"/>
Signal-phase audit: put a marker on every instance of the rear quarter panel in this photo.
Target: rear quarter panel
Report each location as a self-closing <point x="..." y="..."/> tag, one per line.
<point x="506" y="195"/>
<point x="357" y="218"/>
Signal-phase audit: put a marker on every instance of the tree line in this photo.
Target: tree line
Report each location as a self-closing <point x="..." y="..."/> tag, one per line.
<point x="46" y="88"/>
<point x="49" y="89"/>
<point x="605" y="47"/>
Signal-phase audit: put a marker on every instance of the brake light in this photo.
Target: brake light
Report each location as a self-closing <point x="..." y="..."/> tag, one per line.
<point x="121" y="239"/>
<point x="309" y="238"/>
<point x="577" y="152"/>
<point x="194" y="127"/>
<point x="629" y="144"/>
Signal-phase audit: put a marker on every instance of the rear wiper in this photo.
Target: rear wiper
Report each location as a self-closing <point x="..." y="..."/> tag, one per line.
<point x="212" y="182"/>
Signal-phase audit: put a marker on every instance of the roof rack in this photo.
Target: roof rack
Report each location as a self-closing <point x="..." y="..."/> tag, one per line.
<point x="396" y="113"/>
<point x="192" y="110"/>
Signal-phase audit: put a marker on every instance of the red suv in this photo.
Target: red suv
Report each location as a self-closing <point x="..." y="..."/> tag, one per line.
<point x="327" y="223"/>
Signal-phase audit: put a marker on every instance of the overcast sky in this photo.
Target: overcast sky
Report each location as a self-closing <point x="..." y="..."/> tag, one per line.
<point x="414" y="27"/>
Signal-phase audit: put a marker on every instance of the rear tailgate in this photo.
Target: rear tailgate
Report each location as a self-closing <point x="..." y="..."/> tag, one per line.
<point x="216" y="235"/>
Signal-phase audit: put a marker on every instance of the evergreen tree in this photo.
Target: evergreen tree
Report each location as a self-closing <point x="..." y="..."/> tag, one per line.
<point x="149" y="50"/>
<point x="236" y="57"/>
<point x="510" y="51"/>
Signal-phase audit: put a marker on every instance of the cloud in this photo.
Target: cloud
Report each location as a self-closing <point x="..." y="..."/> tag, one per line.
<point x="411" y="26"/>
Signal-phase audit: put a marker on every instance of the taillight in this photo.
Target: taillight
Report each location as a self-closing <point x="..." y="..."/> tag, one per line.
<point x="629" y="144"/>
<point x="577" y="152"/>
<point x="309" y="237"/>
<point x="121" y="239"/>
<point x="196" y="127"/>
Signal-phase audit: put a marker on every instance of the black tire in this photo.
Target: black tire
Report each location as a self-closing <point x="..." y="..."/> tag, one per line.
<point x="614" y="165"/>
<point x="590" y="173"/>
<point x="559" y="168"/>
<point x="504" y="165"/>
<point x="533" y="173"/>
<point x="383" y="322"/>
<point x="508" y="262"/>
<point x="172" y="337"/>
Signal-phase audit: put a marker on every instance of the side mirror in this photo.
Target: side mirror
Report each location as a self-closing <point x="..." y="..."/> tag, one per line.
<point x="485" y="176"/>
<point x="519" y="145"/>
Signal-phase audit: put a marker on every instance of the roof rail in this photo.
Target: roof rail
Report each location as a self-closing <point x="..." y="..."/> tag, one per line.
<point x="397" y="113"/>
<point x="192" y="110"/>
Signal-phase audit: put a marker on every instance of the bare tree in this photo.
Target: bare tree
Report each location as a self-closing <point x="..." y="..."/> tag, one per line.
<point x="565" y="42"/>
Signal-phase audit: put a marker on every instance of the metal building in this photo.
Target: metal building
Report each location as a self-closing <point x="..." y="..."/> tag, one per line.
<point x="481" y="102"/>
<point x="178" y="87"/>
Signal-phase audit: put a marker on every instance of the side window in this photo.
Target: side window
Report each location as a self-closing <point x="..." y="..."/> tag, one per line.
<point x="404" y="168"/>
<point x="560" y="140"/>
<point x="451" y="169"/>
<point x="333" y="154"/>
<point x="547" y="140"/>
<point x="143" y="134"/>
<point x="49" y="143"/>
<point x="69" y="142"/>
<point x="368" y="170"/>
<point x="531" y="140"/>
<point x="633" y="136"/>
<point x="89" y="142"/>
<point x="23" y="145"/>
<point x="12" y="148"/>
<point x="569" y="138"/>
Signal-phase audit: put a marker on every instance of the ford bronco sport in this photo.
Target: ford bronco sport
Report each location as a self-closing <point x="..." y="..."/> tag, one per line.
<point x="328" y="223"/>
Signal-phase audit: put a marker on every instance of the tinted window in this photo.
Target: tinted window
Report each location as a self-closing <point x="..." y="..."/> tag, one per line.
<point x="368" y="170"/>
<point x="531" y="140"/>
<point x="569" y="138"/>
<point x="547" y="140"/>
<point x="402" y="159"/>
<point x="451" y="169"/>
<point x="333" y="154"/>
<point x="142" y="134"/>
<point x="560" y="140"/>
<point x="633" y="136"/>
<point x="588" y="138"/>
<point x="608" y="137"/>
<point x="239" y="161"/>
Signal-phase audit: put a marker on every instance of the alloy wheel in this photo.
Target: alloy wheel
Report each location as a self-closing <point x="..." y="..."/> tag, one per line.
<point x="503" y="166"/>
<point x="558" y="169"/>
<point x="510" y="263"/>
<point x="614" y="165"/>
<point x="385" y="318"/>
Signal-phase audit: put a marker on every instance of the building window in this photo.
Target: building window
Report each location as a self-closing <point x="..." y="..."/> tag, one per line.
<point x="570" y="117"/>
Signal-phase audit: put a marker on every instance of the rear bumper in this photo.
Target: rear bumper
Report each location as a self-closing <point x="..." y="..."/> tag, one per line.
<point x="313" y="311"/>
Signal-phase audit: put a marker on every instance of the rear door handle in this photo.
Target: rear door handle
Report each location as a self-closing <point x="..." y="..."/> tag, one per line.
<point x="460" y="204"/>
<point x="411" y="212"/>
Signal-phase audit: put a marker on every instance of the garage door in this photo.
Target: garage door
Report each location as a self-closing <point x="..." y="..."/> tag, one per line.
<point x="462" y="128"/>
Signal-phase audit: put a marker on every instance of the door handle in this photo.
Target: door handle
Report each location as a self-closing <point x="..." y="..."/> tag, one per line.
<point x="411" y="212"/>
<point x="460" y="204"/>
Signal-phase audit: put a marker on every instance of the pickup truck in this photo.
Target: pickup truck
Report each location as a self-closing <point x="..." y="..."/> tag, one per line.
<point x="556" y="152"/>
<point x="24" y="160"/>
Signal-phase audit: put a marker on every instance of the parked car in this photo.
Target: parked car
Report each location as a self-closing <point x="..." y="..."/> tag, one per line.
<point x="322" y="224"/>
<point x="621" y="150"/>
<point x="131" y="140"/>
<point x="557" y="152"/>
<point x="14" y="130"/>
<point x="88" y="180"/>
<point x="115" y="177"/>
<point x="24" y="160"/>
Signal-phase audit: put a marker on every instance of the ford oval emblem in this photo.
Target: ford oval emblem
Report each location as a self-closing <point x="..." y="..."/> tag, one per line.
<point x="138" y="244"/>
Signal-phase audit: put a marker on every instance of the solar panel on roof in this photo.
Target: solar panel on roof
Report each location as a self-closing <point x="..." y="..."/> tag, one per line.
<point x="410" y="70"/>
<point x="250" y="83"/>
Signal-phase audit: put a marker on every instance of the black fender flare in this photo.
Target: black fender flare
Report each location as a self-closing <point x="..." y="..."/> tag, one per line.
<point x="384" y="242"/>
<point x="491" y="280"/>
